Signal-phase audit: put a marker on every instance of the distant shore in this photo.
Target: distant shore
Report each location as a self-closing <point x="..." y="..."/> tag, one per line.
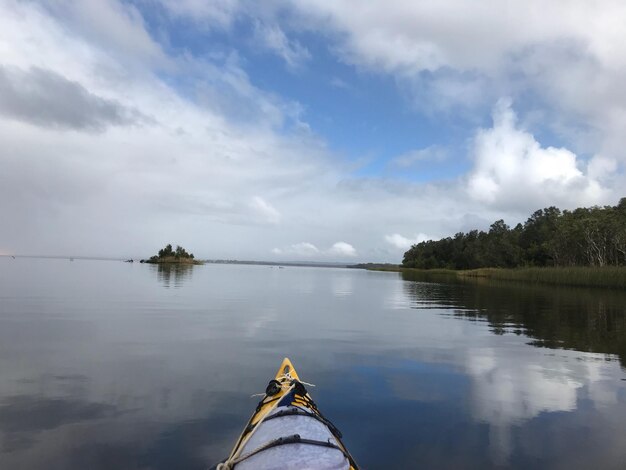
<point x="613" y="277"/>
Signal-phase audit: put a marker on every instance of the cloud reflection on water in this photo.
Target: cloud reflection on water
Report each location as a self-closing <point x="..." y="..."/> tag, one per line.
<point x="512" y="384"/>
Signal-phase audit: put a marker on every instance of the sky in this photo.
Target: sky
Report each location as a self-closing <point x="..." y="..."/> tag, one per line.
<point x="307" y="130"/>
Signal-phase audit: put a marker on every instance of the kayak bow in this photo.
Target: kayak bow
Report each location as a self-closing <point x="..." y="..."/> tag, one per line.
<point x="287" y="431"/>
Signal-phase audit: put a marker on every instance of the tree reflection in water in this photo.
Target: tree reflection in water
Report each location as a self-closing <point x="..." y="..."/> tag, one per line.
<point x="581" y="319"/>
<point x="173" y="274"/>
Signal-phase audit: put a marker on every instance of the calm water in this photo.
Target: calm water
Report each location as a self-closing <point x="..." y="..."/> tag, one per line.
<point x="112" y="365"/>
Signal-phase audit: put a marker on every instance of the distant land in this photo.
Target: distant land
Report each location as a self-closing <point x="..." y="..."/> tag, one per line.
<point x="169" y="255"/>
<point x="84" y="258"/>
<point x="377" y="266"/>
<point x="312" y="264"/>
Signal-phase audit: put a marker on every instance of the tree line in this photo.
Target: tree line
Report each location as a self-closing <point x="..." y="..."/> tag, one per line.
<point x="594" y="236"/>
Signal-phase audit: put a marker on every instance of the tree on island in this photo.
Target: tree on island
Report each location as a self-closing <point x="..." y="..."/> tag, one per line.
<point x="169" y="255"/>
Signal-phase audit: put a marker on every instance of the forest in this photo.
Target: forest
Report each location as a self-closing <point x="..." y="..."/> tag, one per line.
<point x="594" y="236"/>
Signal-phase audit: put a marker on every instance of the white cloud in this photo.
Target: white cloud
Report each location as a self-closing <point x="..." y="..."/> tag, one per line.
<point x="47" y="99"/>
<point x="413" y="158"/>
<point x="217" y="165"/>
<point x="343" y="249"/>
<point x="265" y="211"/>
<point x="415" y="36"/>
<point x="601" y="168"/>
<point x="273" y="38"/>
<point x="216" y="13"/>
<point x="191" y="160"/>
<point x="452" y="54"/>
<point x="118" y="25"/>
<point x="305" y="249"/>
<point x="309" y="250"/>
<point x="512" y="170"/>
<point x="404" y="243"/>
<point x="337" y="82"/>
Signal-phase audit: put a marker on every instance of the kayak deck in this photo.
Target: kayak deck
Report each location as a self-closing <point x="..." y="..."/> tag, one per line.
<point x="288" y="431"/>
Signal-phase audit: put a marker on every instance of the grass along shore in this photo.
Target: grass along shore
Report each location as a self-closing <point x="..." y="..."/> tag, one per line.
<point x="613" y="277"/>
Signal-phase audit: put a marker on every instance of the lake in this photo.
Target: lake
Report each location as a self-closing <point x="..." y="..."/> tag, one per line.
<point x="105" y="365"/>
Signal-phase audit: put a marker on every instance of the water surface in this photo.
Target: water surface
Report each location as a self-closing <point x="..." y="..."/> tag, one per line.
<point x="115" y="365"/>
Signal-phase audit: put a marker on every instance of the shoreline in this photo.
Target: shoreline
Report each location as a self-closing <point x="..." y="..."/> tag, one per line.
<point x="181" y="261"/>
<point x="609" y="277"/>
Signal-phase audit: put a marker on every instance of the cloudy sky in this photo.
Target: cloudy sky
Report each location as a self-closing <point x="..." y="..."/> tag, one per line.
<point x="308" y="130"/>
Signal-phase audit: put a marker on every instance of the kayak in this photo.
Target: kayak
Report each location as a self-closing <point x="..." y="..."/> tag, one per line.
<point x="288" y="431"/>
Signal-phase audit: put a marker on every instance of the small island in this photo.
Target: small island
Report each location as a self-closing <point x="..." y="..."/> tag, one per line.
<point x="168" y="255"/>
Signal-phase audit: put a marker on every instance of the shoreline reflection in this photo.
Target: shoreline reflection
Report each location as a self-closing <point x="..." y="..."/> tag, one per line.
<point x="587" y="320"/>
<point x="515" y="386"/>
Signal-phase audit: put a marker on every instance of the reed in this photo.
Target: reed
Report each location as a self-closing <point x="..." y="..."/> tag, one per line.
<point x="608" y="276"/>
<point x="613" y="277"/>
<point x="401" y="269"/>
